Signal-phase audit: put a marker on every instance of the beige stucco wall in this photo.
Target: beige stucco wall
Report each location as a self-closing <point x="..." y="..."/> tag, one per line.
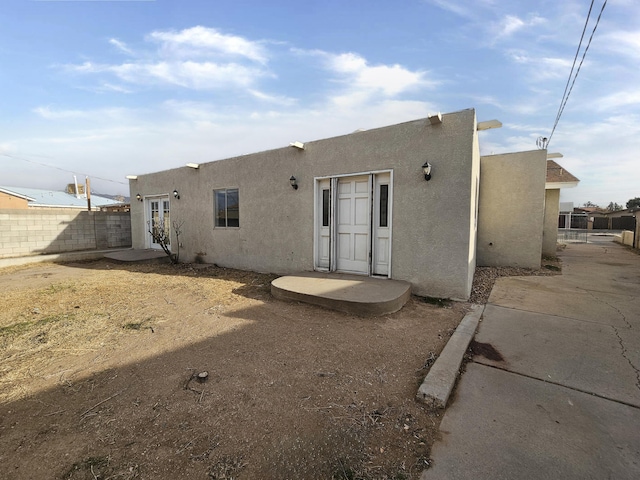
<point x="474" y="211"/>
<point x="433" y="224"/>
<point x="512" y="196"/>
<point x="550" y="230"/>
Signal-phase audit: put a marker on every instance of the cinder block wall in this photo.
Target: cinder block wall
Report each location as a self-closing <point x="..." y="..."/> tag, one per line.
<point x="33" y="232"/>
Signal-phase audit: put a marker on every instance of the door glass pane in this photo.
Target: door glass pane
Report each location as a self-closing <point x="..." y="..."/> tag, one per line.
<point x="221" y="208"/>
<point x="233" y="208"/>
<point x="325" y="207"/>
<point x="384" y="205"/>
<point x="165" y="221"/>
<point x="155" y="217"/>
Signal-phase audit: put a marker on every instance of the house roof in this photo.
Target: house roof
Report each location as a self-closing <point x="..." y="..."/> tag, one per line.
<point x="559" y="177"/>
<point x="16" y="194"/>
<point x="51" y="198"/>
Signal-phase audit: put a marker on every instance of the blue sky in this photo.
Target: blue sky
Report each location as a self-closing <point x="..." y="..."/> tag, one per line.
<point x="111" y="88"/>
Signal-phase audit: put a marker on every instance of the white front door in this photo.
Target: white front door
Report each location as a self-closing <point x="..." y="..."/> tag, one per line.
<point x="158" y="222"/>
<point x="353" y="224"/>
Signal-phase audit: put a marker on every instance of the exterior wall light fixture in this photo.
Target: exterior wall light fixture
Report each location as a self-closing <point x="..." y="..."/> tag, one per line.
<point x="293" y="182"/>
<point x="139" y="197"/>
<point x="426" y="169"/>
<point x="176" y="194"/>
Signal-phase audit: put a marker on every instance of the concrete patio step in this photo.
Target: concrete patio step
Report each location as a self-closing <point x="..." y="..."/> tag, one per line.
<point x="139" y="256"/>
<point x="355" y="294"/>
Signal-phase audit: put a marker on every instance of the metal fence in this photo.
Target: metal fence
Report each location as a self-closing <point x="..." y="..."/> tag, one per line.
<point x="574" y="235"/>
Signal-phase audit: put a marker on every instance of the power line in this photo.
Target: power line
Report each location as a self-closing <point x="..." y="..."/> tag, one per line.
<point x="61" y="169"/>
<point x="565" y="95"/>
<point x="575" y="58"/>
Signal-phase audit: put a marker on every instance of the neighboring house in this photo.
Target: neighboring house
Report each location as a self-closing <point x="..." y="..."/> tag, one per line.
<point x="557" y="178"/>
<point x="20" y="198"/>
<point x="13" y="200"/>
<point x="359" y="203"/>
<point x="622" y="219"/>
<point x="571" y="217"/>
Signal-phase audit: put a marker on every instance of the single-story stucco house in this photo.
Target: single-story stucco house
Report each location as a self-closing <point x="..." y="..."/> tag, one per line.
<point x="413" y="201"/>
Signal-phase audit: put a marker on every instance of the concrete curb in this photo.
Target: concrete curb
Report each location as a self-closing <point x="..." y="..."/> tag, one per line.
<point x="439" y="382"/>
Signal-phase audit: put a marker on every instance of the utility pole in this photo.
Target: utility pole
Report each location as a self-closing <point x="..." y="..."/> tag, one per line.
<point x="88" y="192"/>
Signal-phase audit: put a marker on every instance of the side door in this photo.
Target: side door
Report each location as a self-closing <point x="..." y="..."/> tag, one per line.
<point x="158" y="221"/>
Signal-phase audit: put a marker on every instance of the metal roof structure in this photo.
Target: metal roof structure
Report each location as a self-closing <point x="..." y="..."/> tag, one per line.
<point x="55" y="199"/>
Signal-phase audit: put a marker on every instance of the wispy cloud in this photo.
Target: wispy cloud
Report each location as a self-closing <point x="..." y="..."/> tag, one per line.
<point x="453" y="6"/>
<point x="188" y="74"/>
<point x="510" y="24"/>
<point x="360" y="81"/>
<point x="390" y="80"/>
<point x="112" y="113"/>
<point x="623" y="42"/>
<point x="195" y="58"/>
<point x="202" y="41"/>
<point x="281" y="100"/>
<point x="625" y="98"/>
<point x="121" y="46"/>
<point x="542" y="68"/>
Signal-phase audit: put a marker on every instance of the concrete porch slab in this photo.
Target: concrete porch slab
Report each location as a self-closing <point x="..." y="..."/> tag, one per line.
<point x="135" y="255"/>
<point x="355" y="294"/>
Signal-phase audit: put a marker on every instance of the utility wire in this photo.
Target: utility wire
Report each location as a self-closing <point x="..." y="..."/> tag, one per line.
<point x="565" y="98"/>
<point x="575" y="59"/>
<point x="61" y="169"/>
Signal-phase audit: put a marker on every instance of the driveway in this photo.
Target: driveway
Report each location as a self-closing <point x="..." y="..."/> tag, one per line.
<point x="559" y="396"/>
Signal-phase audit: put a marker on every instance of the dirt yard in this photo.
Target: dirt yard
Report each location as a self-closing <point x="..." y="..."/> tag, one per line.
<point x="99" y="378"/>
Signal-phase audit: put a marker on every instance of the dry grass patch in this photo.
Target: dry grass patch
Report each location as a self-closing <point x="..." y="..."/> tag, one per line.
<point x="98" y="361"/>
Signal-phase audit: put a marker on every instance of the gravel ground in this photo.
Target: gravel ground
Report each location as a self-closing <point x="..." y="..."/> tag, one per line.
<point x="485" y="277"/>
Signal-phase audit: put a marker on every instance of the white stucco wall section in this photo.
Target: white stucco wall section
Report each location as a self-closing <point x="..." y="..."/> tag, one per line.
<point x="512" y="202"/>
<point x="474" y="208"/>
<point x="551" y="212"/>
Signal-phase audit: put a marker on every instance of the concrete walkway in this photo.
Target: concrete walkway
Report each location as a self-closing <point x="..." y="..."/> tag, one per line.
<point x="564" y="400"/>
<point x="59" y="257"/>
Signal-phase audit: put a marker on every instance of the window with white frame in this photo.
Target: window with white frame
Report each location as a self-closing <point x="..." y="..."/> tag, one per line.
<point x="226" y="207"/>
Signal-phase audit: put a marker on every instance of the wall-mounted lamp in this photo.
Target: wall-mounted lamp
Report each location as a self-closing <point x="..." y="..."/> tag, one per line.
<point x="293" y="182"/>
<point x="299" y="145"/>
<point x="176" y="194"/>
<point x="139" y="197"/>
<point x="132" y="177"/>
<point x="426" y="169"/>
<point x="193" y="165"/>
